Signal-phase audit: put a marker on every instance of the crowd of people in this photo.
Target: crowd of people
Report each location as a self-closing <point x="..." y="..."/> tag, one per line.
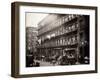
<point x="58" y="58"/>
<point x="67" y="58"/>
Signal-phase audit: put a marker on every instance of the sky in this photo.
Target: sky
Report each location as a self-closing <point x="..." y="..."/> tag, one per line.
<point x="32" y="19"/>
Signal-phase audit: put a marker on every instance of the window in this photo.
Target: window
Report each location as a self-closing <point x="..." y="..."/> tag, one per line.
<point x="66" y="18"/>
<point x="77" y="25"/>
<point x="73" y="27"/>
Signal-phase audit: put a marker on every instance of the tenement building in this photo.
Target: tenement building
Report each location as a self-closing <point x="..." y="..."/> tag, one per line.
<point x="62" y="35"/>
<point x="31" y="43"/>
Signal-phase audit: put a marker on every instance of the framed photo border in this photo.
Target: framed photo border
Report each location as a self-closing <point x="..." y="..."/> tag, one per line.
<point x="15" y="38"/>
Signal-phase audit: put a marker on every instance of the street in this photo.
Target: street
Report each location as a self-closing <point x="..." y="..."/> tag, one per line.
<point x="42" y="63"/>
